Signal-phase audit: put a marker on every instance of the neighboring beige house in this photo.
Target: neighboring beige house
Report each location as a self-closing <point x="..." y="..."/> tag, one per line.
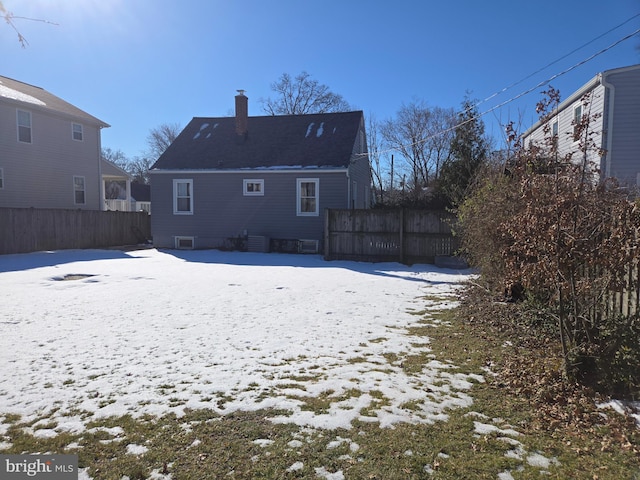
<point x="614" y="101"/>
<point x="50" y="152"/>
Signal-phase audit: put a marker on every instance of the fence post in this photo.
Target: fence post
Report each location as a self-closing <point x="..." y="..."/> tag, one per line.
<point x="402" y="235"/>
<point x="327" y="236"/>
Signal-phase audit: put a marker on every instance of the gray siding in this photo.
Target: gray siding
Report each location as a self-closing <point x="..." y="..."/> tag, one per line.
<point x="564" y="117"/>
<point x="360" y="172"/>
<point x="616" y="97"/>
<point x="625" y="131"/>
<point x="40" y="174"/>
<point x="221" y="211"/>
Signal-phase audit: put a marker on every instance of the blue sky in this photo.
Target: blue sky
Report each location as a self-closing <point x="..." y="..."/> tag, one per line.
<point x="139" y="63"/>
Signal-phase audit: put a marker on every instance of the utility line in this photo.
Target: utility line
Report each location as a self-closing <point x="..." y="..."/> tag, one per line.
<point x="556" y="61"/>
<point x="520" y="95"/>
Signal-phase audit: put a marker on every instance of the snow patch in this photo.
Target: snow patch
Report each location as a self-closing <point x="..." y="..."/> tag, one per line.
<point x="133" y="449"/>
<point x="324" y="473"/>
<point x="191" y="347"/>
<point x="320" y="130"/>
<point x="296" y="467"/>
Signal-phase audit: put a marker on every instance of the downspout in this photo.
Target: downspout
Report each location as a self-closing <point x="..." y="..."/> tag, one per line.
<point x="101" y="205"/>
<point x="611" y="90"/>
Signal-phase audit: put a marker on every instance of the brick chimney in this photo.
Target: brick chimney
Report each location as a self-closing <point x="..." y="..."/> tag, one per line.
<point x="242" y="113"/>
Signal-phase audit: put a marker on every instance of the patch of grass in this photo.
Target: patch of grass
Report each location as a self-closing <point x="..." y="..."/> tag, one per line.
<point x="247" y="445"/>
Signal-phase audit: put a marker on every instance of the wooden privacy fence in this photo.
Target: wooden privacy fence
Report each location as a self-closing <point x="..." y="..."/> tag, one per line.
<point x="399" y="235"/>
<point x="29" y="229"/>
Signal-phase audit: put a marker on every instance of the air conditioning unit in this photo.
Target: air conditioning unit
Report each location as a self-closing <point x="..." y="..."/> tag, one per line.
<point x="258" y="243"/>
<point x="308" y="246"/>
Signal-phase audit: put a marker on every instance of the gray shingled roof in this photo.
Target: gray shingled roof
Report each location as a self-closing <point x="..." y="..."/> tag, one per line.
<point x="286" y="141"/>
<point x="37" y="98"/>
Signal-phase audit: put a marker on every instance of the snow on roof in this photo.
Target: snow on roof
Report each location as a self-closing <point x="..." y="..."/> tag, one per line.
<point x="13" y="94"/>
<point x="309" y="128"/>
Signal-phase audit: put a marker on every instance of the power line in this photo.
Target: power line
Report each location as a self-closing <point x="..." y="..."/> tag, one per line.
<point x="522" y="94"/>
<point x="556" y="61"/>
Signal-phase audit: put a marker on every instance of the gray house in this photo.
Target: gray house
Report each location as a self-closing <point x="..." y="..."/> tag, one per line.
<point x="263" y="180"/>
<point x="50" y="152"/>
<point x="614" y="97"/>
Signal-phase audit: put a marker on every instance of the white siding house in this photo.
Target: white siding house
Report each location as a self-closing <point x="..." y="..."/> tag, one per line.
<point x="614" y="101"/>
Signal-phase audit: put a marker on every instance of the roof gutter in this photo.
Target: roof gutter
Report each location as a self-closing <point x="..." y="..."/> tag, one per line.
<point x="245" y="171"/>
<point x="587" y="87"/>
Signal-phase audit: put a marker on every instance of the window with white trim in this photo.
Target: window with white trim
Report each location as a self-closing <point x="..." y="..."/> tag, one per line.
<point x="79" y="194"/>
<point x="577" y="121"/>
<point x="24" y="126"/>
<point x="307" y="197"/>
<point x="183" y="197"/>
<point x="76" y="132"/>
<point x="253" y="187"/>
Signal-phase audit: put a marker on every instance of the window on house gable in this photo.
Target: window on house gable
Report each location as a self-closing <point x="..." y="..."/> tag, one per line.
<point x="554" y="132"/>
<point x="253" y="187"/>
<point x="182" y="197"/>
<point x="307" y="194"/>
<point x="24" y="126"/>
<point x="76" y="132"/>
<point x="78" y="190"/>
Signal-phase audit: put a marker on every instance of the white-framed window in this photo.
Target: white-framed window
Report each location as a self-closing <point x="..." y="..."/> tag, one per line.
<point x="79" y="197"/>
<point x="182" y="196"/>
<point x="1" y="179"/>
<point x="24" y="126"/>
<point x="253" y="187"/>
<point x="577" y="120"/>
<point x="307" y="197"/>
<point x="76" y="132"/>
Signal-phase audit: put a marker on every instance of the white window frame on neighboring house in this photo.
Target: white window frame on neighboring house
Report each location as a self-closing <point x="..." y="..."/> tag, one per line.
<point x="77" y="133"/>
<point x="577" y="119"/>
<point x="253" y="187"/>
<point x="304" y="200"/>
<point x="24" y="126"/>
<point x="179" y="195"/>
<point x="79" y="187"/>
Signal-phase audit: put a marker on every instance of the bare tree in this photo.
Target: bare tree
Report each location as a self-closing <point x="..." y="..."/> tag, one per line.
<point x="302" y="95"/>
<point x="116" y="157"/>
<point x="375" y="149"/>
<point x="9" y="18"/>
<point x="422" y="136"/>
<point x="160" y="138"/>
<point x="139" y="169"/>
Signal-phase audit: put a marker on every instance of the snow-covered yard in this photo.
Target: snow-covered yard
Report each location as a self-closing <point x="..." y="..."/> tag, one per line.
<point x="111" y="332"/>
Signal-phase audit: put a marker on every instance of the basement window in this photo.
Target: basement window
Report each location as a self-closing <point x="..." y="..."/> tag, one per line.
<point x="184" y="243"/>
